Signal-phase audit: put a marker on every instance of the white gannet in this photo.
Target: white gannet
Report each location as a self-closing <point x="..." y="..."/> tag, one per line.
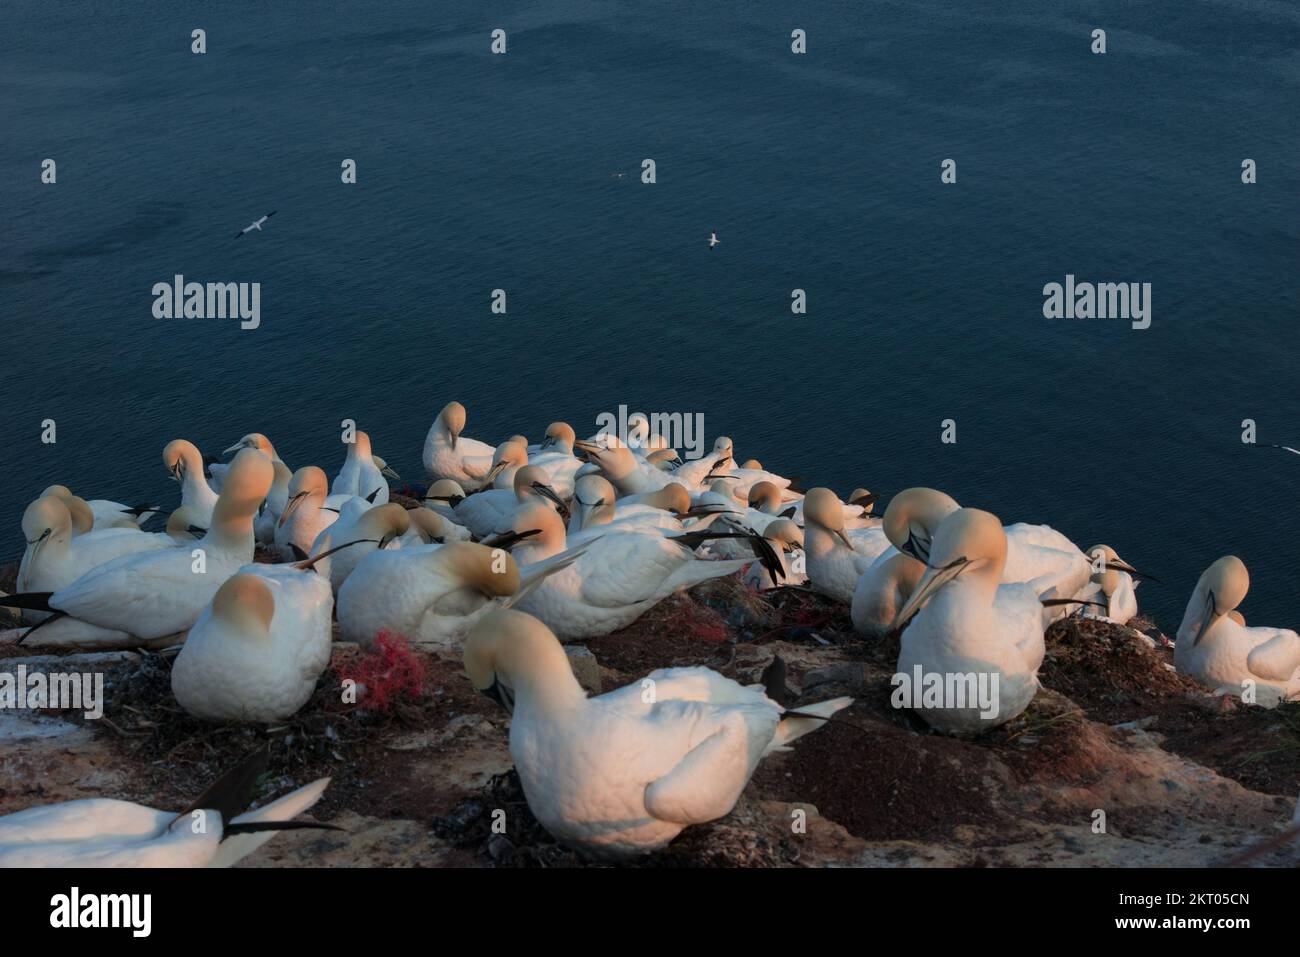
<point x="448" y="455"/>
<point x="54" y="558"/>
<point x="596" y="509"/>
<point x="255" y="224"/>
<point x="909" y="524"/>
<point x="442" y="498"/>
<point x="253" y="440"/>
<point x="268" y="514"/>
<point x="304" y="515"/>
<point x="555" y="457"/>
<point x="835" y="557"/>
<point x="101" y="832"/>
<point x="359" y="475"/>
<point x="429" y="594"/>
<point x="370" y="528"/>
<point x="256" y="651"/>
<point x="786" y="539"/>
<point x="491" y="512"/>
<point x="969" y="630"/>
<point x="185" y="463"/>
<point x="622" y="774"/>
<point x="628" y="474"/>
<point x="106" y="514"/>
<point x="157" y="593"/>
<point x="182" y="525"/>
<point x="1228" y="657"/>
<point x="693" y="472"/>
<point x="1112" y="584"/>
<point x="713" y="240"/>
<point x="618" y="577"/>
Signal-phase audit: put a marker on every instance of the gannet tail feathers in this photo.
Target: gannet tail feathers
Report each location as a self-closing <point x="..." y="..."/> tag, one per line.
<point x="810" y="717"/>
<point x="33" y="600"/>
<point x="763" y="549"/>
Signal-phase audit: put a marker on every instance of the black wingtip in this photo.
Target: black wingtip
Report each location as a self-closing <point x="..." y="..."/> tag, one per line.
<point x="773" y="679"/>
<point x="231" y="793"/>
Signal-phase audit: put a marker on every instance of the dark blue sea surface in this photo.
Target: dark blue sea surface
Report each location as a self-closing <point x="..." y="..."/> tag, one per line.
<point x="818" y="172"/>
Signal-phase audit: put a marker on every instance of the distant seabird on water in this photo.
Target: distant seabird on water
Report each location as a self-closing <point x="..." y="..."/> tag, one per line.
<point x="257" y="224"/>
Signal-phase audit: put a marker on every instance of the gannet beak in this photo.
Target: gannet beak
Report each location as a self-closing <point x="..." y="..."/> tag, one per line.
<point x="917" y="547"/>
<point x="1208" y="618"/>
<point x="1126" y="567"/>
<point x="931" y="581"/>
<point x="549" y="493"/>
<point x="508" y="539"/>
<point x="454" y="437"/>
<point x="866" y="501"/>
<point x="844" y="537"/>
<point x="233" y="449"/>
<point x="289" y="506"/>
<point x="501" y="694"/>
<point x="585" y="509"/>
<point x="175" y="470"/>
<point x="390" y="473"/>
<point x="548" y="441"/>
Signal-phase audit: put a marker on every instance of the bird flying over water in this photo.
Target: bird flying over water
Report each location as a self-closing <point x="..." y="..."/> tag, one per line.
<point x="257" y="224"/>
<point x="713" y="240"/>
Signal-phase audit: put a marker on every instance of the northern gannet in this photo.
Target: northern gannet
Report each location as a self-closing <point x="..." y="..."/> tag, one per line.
<point x="101" y="832"/>
<point x="628" y="474"/>
<point x="836" y="558"/>
<point x="106" y="514"/>
<point x="256" y="651"/>
<point x="970" y="630"/>
<point x="618" y="577"/>
<point x="597" y="509"/>
<point x="369" y="528"/>
<point x="304" y="515"/>
<point x="359" y="475"/>
<point x="555" y="457"/>
<point x="253" y="440"/>
<point x="269" y="512"/>
<point x="1228" y="657"/>
<point x="786" y="539"/>
<point x="622" y="774"/>
<point x="713" y="240"/>
<point x="442" y="498"/>
<point x="448" y="455"/>
<point x="255" y="224"/>
<point x="185" y="463"/>
<point x="157" y="593"/>
<point x="491" y="512"/>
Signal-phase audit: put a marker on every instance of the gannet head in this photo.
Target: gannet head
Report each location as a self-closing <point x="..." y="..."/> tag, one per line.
<point x="616" y="461"/>
<point x="665" y="459"/>
<point x="183" y="524"/>
<point x="595" y="497"/>
<point x="673" y="497"/>
<point x="537" y="523"/>
<point x="428" y="524"/>
<point x="1109" y="559"/>
<point x="764" y="497"/>
<point x="307" y="485"/>
<point x="913" y="517"/>
<point x="254" y="440"/>
<point x="244" y="602"/>
<point x="492" y="572"/>
<point x="1221" y="588"/>
<point x="864" y="498"/>
<point x="822" y="507"/>
<point x="723" y="447"/>
<point x="724" y="487"/>
<point x="507" y="650"/>
<point x="83" y="519"/>
<point x="244" y="489"/>
<point x="384" y="469"/>
<point x="46" y="519"/>
<point x="179" y="456"/>
<point x="510" y="454"/>
<point x="754" y="465"/>
<point x="445" y="491"/>
<point x="969" y="541"/>
<point x="784" y="534"/>
<point x="384" y="523"/>
<point x="531" y="481"/>
<point x="560" y="435"/>
<point x="452" y="418"/>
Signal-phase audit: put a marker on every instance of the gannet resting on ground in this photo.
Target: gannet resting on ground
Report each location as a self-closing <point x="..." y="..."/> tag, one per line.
<point x="449" y="456"/>
<point x="624" y="773"/>
<point x="106" y="514"/>
<point x="628" y="474"/>
<point x="619" y="576"/>
<point x="442" y="498"/>
<point x="693" y="472"/>
<point x="909" y="524"/>
<point x="666" y="460"/>
<point x="510" y="456"/>
<point x="836" y="558"/>
<point x="182" y="525"/>
<point x="1113" y="585"/>
<point x="55" y="559"/>
<point x="967" y="624"/>
<point x="491" y="512"/>
<point x="253" y="440"/>
<point x="185" y="463"/>
<point x="268" y="514"/>
<point x="255" y="653"/>
<point x="101" y="832"/>
<point x="596" y="509"/>
<point x="304" y="516"/>
<point x="255" y="224"/>
<point x="555" y="457"/>
<point x="369" y="528"/>
<point x="786" y="539"/>
<point x="430" y="594"/>
<point x="1228" y="657"/>
<point x="360" y="476"/>
<point x="155" y="594"/>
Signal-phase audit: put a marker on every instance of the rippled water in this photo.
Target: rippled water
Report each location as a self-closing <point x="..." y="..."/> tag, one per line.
<point x="818" y="172"/>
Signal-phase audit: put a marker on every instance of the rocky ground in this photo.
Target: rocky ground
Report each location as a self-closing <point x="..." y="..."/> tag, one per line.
<point x="1115" y="738"/>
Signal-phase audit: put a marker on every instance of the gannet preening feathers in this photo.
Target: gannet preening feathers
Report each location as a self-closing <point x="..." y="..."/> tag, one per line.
<point x="255" y="653"/>
<point x="622" y="774"/>
<point x="158" y="593"/>
<point x="185" y="463"/>
<point x="1228" y="657"/>
<point x="448" y="455"/>
<point x="101" y="832"/>
<point x="490" y="512"/>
